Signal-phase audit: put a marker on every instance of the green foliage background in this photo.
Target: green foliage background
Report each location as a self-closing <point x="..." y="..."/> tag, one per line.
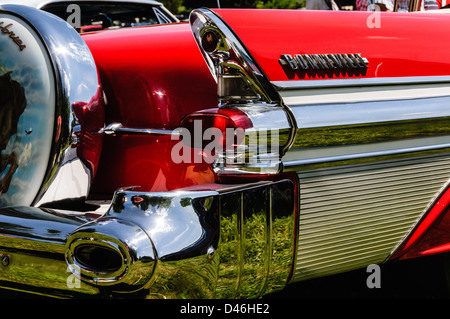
<point x="185" y="6"/>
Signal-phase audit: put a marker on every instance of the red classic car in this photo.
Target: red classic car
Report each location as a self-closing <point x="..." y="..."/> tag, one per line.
<point x="226" y="157"/>
<point x="94" y="15"/>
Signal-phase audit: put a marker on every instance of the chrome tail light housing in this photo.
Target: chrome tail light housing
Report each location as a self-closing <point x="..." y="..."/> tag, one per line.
<point x="240" y="80"/>
<point x="242" y="85"/>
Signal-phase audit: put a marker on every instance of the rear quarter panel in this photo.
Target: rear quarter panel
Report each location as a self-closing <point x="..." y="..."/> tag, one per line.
<point x="152" y="77"/>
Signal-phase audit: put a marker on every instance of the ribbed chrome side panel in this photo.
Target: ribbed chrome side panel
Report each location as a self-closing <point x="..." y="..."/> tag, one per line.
<point x="355" y="215"/>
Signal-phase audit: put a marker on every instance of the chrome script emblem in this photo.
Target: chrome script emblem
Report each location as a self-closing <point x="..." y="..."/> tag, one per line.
<point x="324" y="61"/>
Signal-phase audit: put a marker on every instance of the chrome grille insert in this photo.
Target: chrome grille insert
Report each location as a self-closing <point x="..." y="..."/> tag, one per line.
<point x="355" y="215"/>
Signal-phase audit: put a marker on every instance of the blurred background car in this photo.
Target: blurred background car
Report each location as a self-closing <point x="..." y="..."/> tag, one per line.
<point x="109" y="14"/>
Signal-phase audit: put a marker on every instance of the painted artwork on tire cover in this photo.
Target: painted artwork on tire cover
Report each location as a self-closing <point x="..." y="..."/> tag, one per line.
<point x="27" y="110"/>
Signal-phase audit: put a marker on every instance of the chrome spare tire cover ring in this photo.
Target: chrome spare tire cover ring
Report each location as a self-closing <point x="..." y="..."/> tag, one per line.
<point x="47" y="69"/>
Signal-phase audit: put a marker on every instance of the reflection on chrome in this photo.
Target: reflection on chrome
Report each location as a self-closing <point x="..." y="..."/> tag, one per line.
<point x="71" y="169"/>
<point x="225" y="242"/>
<point x="210" y="240"/>
<point x="242" y="84"/>
<point x="57" y="109"/>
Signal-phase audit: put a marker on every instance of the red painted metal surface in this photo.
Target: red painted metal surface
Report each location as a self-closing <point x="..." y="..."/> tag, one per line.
<point x="152" y="77"/>
<point x="399" y="44"/>
<point x="92" y="118"/>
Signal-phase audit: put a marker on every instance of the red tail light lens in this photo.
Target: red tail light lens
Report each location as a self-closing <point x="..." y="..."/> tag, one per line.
<point x="214" y="128"/>
<point x="229" y="140"/>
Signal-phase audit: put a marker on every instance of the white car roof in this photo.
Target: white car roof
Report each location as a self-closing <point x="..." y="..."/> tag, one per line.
<point x="40" y="3"/>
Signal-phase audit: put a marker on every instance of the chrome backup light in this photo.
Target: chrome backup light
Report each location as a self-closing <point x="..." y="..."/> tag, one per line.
<point x="233" y="88"/>
<point x="210" y="41"/>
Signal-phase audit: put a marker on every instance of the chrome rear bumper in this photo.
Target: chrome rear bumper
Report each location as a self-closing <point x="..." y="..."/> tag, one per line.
<point x="209" y="241"/>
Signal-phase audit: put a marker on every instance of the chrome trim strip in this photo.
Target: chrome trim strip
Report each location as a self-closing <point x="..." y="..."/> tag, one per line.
<point x="357" y="94"/>
<point x="290" y="165"/>
<point x="346" y="115"/>
<point x="348" y="123"/>
<point x="311" y="84"/>
<point x="118" y="128"/>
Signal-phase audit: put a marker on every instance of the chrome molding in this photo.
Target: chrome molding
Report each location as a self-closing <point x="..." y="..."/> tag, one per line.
<point x="256" y="248"/>
<point x="360" y="155"/>
<point x="364" y="93"/>
<point x="118" y="128"/>
<point x="371" y="156"/>
<point x="311" y="84"/>
<point x="341" y="121"/>
<point x="355" y="215"/>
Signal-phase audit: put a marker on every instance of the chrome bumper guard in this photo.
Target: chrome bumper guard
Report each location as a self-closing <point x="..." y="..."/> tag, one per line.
<point x="207" y="241"/>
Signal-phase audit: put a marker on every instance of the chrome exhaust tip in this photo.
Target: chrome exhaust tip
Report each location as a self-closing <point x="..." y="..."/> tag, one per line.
<point x="111" y="252"/>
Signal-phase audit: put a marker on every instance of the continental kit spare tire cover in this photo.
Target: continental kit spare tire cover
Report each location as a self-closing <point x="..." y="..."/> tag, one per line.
<point x="27" y="111"/>
<point x="45" y="68"/>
